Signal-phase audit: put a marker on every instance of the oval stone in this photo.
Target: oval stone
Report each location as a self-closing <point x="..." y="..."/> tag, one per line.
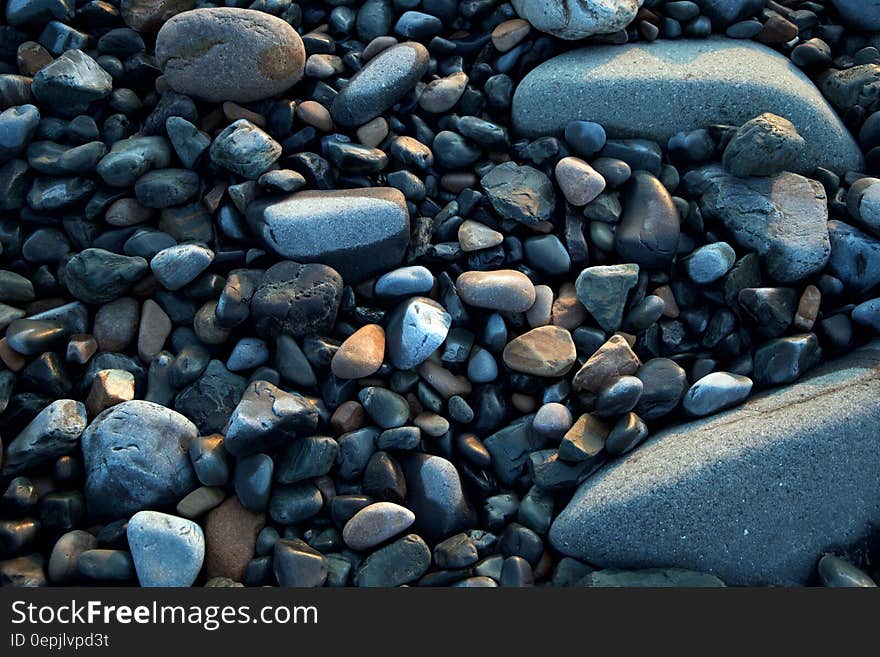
<point x="384" y="80"/>
<point x="506" y="290"/>
<point x="375" y="524"/>
<point x="223" y="53"/>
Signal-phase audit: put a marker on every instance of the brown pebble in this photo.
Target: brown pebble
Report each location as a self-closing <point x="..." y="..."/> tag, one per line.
<point x="808" y="309"/>
<point x="81" y="348"/>
<point x="508" y="34"/>
<point x="545" y="351"/>
<point x="127" y="212"/>
<point x="314" y="114"/>
<point x="212" y="199"/>
<point x="777" y="30"/>
<point x="539" y="313"/>
<point x="523" y="403"/>
<point x="13" y="360"/>
<point x="234" y="112"/>
<point x="32" y="57"/>
<point x="109" y="388"/>
<point x="568" y="312"/>
<point x="443" y="381"/>
<point x="614" y="358"/>
<point x="154" y="330"/>
<point x="230" y="539"/>
<point x="372" y="133"/>
<point x="348" y="416"/>
<point x="670" y="308"/>
<point x="361" y="354"/>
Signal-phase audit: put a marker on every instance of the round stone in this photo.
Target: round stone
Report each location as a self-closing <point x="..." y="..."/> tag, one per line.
<point x="375" y="524"/>
<point x="136" y="456"/>
<point x="415" y="329"/>
<point x="226" y="53"/>
<point x="709" y="263"/>
<point x="715" y="392"/>
<point x="577" y="20"/>
<point x="361" y="354"/>
<point x="296" y="299"/>
<point x="506" y="290"/>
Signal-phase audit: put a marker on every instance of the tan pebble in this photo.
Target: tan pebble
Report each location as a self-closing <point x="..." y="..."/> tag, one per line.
<point x="508" y="34"/>
<point x="361" y="354"/>
<point x="545" y="351"/>
<point x="614" y="358"/>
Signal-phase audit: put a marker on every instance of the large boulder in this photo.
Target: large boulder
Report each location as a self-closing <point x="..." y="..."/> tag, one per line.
<point x="754" y="495"/>
<point x="657" y="89"/>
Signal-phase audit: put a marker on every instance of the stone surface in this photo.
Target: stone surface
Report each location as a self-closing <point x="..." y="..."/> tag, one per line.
<point x="225" y="53"/>
<point x="361" y="354"/>
<point x="735" y="494"/>
<point x="545" y="351"/>
<point x="150" y="15"/>
<point x="578" y="19"/>
<point x="763" y="146"/>
<point x="782" y="218"/>
<point x="861" y="14"/>
<point x="52" y="433"/>
<point x="375" y="524"/>
<point x="603" y="291"/>
<point x="506" y="290"/>
<point x="136" y="457"/>
<point x="521" y="193"/>
<point x="435" y="496"/>
<point x="415" y="329"/>
<point x="614" y="358"/>
<point x="358" y="232"/>
<point x="383" y="81"/>
<point x="658" y="89"/>
<point x="230" y="537"/>
<point x="166" y="550"/>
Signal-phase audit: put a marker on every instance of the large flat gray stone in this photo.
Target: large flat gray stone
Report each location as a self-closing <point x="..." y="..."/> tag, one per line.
<point x="657" y="89"/>
<point x="753" y="495"/>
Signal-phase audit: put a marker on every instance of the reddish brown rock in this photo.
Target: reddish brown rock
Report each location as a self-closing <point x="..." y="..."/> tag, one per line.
<point x="230" y="538"/>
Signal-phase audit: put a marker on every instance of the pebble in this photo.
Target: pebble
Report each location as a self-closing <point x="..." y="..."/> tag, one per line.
<point x="177" y="266"/>
<point x="649" y="228"/>
<point x="31" y="337"/>
<point x="247" y="354"/>
<point x="763" y="146"/>
<point x="121" y="450"/>
<point x="435" y="496"/>
<point x="504" y="290"/>
<point x="106" y="565"/>
<point x="296" y="299"/>
<point x="415" y="329"/>
<point x="297" y="564"/>
<point x="230" y="539"/>
<point x="441" y="95"/>
<point x="109" y="388"/>
<point x="583" y="19"/>
<point x="808" y="308"/>
<point x="521" y="193"/>
<point x="17" y="126"/>
<point x="784" y="360"/>
<point x="385" y="407"/>
<point x="383" y="81"/>
<point x="53" y="432"/>
<point x="547" y="351"/>
<point x="603" y="291"/>
<point x="149" y="15"/>
<point x="618" y="396"/>
<point x="508" y="34"/>
<point x="199" y="502"/>
<point x="709" y="263"/>
<point x="375" y="524"/>
<point x="369" y="238"/>
<point x="867" y="314"/>
<point x="244" y="149"/>
<point x="401" y="562"/>
<point x="63" y="567"/>
<point x="663" y="385"/>
<point x="585" y="440"/>
<point x="475" y="236"/>
<point x="855" y="257"/>
<point x="586" y="138"/>
<point x="552" y="420"/>
<point x="267" y="417"/>
<point x="579" y="182"/>
<point x="628" y="432"/>
<point x="405" y="281"/>
<point x="783" y="218"/>
<point x="715" y="392"/>
<point x="837" y="573"/>
<point x="166" y="550"/>
<point x="257" y="55"/>
<point x="614" y="358"/>
<point x="253" y="481"/>
<point x="71" y="83"/>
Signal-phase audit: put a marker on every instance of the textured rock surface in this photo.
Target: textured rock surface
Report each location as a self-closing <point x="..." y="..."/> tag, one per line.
<point x="358" y="232"/>
<point x="577" y="19"/>
<point x="224" y="53"/>
<point x="656" y="90"/>
<point x="737" y="494"/>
